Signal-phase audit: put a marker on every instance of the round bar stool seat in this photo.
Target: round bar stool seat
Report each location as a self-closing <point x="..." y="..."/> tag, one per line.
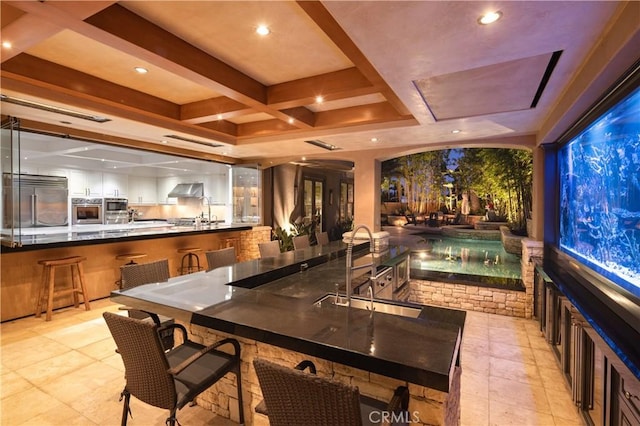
<point x="190" y="261"/>
<point x="47" y="288"/>
<point x="131" y="257"/>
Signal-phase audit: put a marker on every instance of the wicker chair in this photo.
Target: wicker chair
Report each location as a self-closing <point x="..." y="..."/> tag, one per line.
<point x="301" y="242"/>
<point x="322" y="238"/>
<point x="292" y="397"/>
<point x="168" y="380"/>
<point x="134" y="275"/>
<point x="222" y="257"/>
<point x="269" y="249"/>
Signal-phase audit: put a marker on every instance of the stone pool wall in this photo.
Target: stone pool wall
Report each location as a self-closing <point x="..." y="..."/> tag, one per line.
<point x="432" y="407"/>
<point x="469" y="297"/>
<point x="484" y="299"/>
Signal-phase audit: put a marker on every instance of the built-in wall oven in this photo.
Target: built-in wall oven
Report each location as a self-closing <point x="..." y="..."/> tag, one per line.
<point x="86" y="211"/>
<point x="116" y="211"/>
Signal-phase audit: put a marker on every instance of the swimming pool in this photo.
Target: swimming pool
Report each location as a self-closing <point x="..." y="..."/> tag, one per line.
<point x="478" y="262"/>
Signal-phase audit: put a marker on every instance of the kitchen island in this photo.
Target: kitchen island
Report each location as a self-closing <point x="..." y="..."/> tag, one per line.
<point x="271" y="306"/>
<point x="100" y="244"/>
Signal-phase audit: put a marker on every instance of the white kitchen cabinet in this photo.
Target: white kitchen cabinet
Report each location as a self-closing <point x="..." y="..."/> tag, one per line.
<point x="143" y="190"/>
<point x="85" y="183"/>
<point x="115" y="185"/>
<point x="165" y="185"/>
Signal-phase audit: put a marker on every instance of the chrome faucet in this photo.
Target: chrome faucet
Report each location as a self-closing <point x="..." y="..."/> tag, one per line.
<point x="209" y="207"/>
<point x="350" y="268"/>
<point x="370" y="294"/>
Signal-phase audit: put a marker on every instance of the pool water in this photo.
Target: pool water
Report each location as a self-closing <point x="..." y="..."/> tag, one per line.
<point x="466" y="261"/>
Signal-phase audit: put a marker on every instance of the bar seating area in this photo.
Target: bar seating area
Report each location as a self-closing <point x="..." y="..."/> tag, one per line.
<point x="173" y="378"/>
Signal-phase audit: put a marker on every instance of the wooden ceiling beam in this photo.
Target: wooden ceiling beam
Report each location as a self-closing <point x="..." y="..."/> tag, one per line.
<point x="61" y="95"/>
<point x="36" y="69"/>
<point x="358" y="115"/>
<point x="220" y="108"/>
<point x="301" y="114"/>
<point x="321" y="16"/>
<point x="178" y="56"/>
<point x="381" y="112"/>
<point x="335" y="85"/>
<point x="24" y="31"/>
<point x="222" y="126"/>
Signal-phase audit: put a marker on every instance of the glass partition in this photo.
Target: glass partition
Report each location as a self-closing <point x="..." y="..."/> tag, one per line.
<point x="246" y="187"/>
<point x="10" y="168"/>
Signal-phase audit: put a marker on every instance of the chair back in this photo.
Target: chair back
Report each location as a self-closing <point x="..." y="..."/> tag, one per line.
<point x="144" y="273"/>
<point x="301" y="242"/>
<point x="146" y="366"/>
<point x="269" y="249"/>
<point x="322" y="238"/>
<point x="222" y="257"/>
<point x="293" y="397"/>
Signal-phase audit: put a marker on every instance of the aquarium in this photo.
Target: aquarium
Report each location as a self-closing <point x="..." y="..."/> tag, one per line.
<point x="599" y="190"/>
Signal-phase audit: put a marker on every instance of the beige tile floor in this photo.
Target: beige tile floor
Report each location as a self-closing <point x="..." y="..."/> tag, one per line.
<point x="65" y="372"/>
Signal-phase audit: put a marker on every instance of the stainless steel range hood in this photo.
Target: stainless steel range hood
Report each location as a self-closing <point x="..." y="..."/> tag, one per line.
<point x="187" y="190"/>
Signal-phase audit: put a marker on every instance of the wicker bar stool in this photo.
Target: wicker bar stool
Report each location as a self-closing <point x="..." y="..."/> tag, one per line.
<point x="190" y="261"/>
<point x="47" y="288"/>
<point x="131" y="257"/>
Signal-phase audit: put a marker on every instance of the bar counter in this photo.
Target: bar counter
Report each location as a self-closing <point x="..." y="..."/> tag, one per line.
<point x="100" y="244"/>
<point x="272" y="303"/>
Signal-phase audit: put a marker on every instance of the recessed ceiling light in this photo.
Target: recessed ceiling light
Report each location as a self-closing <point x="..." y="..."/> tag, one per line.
<point x="489" y="18"/>
<point x="454" y="131"/>
<point x="7" y="44"/>
<point x="141" y="70"/>
<point x="102" y="159"/>
<point x="290" y="120"/>
<point x="374" y="139"/>
<point x="304" y="158"/>
<point x="164" y="141"/>
<point x="263" y="30"/>
<point x="219" y="116"/>
<point x="319" y="99"/>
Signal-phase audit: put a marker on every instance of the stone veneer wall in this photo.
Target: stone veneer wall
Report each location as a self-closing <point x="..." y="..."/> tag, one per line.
<point x="433" y="407"/>
<point x="249" y="240"/>
<point x="468" y="297"/>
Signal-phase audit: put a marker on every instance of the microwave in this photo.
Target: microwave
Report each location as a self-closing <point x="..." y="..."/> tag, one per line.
<point x="85" y="211"/>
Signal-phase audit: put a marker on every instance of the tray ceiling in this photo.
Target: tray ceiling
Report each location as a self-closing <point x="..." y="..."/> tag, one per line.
<point x="213" y="80"/>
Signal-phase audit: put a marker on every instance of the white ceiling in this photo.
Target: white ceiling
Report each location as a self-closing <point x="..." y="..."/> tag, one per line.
<point x="395" y="45"/>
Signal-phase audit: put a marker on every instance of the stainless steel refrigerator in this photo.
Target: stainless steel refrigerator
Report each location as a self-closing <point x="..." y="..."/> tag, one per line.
<point x="35" y="200"/>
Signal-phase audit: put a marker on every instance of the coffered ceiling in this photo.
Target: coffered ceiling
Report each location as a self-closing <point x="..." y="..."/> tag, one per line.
<point x="404" y="73"/>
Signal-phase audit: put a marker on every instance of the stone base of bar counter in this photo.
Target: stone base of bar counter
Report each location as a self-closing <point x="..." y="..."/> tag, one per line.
<point x="427" y="406"/>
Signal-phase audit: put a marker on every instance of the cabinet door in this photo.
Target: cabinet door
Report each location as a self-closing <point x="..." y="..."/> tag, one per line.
<point x="83" y="183"/>
<point x="143" y="190"/>
<point x="115" y="185"/>
<point x="165" y="185"/>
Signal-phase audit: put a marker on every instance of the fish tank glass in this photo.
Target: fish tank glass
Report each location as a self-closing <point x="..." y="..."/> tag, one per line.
<point x="600" y="194"/>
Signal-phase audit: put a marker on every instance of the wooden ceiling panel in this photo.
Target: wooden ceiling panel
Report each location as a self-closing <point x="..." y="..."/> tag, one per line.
<point x="81" y="53"/>
<point x="296" y="47"/>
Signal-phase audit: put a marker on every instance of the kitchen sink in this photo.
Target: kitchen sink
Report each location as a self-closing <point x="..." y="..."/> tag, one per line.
<point x="378" y="306"/>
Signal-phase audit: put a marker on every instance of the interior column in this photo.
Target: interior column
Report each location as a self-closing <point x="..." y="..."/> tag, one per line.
<point x="366" y="207"/>
<point x="538" y="195"/>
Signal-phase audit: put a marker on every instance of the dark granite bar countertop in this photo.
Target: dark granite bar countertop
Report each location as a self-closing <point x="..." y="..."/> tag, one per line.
<point x="77" y="235"/>
<point x="273" y="301"/>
